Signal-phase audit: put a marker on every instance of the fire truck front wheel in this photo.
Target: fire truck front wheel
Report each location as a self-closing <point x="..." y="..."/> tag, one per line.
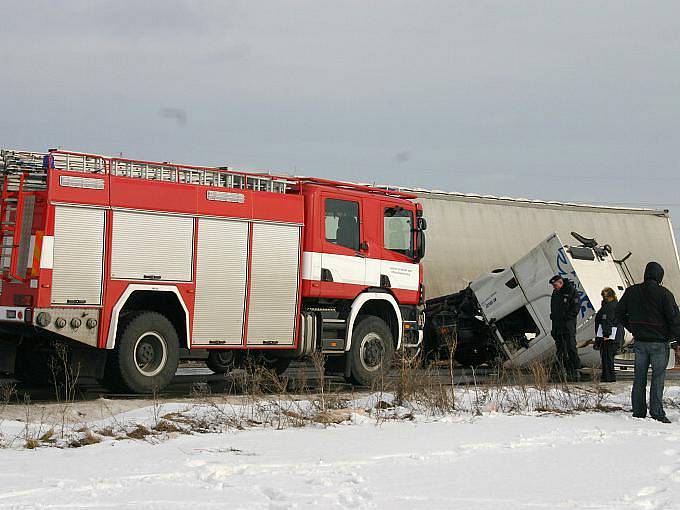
<point x="371" y="351"/>
<point x="146" y="355"/>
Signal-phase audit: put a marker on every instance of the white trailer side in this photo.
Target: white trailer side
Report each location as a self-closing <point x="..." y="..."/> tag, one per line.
<point x="469" y="235"/>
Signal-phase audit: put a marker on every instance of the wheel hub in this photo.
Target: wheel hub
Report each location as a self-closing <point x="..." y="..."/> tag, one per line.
<point x="372" y="351"/>
<point x="151" y="353"/>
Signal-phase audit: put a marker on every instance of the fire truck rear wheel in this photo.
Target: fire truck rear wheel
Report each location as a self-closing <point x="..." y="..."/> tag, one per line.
<point x="146" y="355"/>
<point x="372" y="350"/>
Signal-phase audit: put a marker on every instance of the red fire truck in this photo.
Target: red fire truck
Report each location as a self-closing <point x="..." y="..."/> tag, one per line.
<point x="136" y="265"/>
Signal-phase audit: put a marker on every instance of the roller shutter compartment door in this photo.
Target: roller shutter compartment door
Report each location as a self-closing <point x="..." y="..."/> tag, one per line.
<point x="274" y="284"/>
<point x="221" y="272"/>
<point x="149" y="246"/>
<point x="78" y="255"/>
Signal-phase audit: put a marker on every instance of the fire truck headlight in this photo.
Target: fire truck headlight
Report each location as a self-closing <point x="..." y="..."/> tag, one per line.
<point x="91" y="323"/>
<point x="60" y="322"/>
<point x="76" y="323"/>
<point x="43" y="319"/>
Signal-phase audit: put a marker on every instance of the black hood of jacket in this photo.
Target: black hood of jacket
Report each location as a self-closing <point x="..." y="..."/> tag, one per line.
<point x="654" y="271"/>
<point x="568" y="286"/>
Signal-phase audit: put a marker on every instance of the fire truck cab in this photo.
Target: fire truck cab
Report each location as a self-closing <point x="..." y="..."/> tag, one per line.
<point x="130" y="266"/>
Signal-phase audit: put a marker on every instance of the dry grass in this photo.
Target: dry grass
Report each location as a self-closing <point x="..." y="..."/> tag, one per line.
<point x="140" y="432"/>
<point x="267" y="401"/>
<point x="32" y="443"/>
<point x="88" y="439"/>
<point x="106" y="432"/>
<point x="167" y="427"/>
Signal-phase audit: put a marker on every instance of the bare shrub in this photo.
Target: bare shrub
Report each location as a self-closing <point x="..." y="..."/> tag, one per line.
<point x="65" y="378"/>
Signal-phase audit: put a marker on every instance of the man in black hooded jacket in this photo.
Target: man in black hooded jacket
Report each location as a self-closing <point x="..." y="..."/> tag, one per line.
<point x="649" y="311"/>
<point x="564" y="307"/>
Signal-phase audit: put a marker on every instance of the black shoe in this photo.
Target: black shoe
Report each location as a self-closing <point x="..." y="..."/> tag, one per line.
<point x="639" y="416"/>
<point x="662" y="419"/>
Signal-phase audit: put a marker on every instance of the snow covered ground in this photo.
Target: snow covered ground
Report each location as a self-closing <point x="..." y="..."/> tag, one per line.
<point x="496" y="460"/>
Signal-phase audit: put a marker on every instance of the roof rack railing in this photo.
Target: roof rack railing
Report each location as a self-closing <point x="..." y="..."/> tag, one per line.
<point x="368" y="188"/>
<point x="203" y="176"/>
<point x="35" y="165"/>
<point x="77" y="162"/>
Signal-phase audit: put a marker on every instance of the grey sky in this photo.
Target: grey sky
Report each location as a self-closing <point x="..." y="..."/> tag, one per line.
<point x="558" y="100"/>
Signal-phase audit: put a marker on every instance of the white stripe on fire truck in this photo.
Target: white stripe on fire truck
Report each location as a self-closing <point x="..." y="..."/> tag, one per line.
<point x="47" y="252"/>
<point x="360" y="271"/>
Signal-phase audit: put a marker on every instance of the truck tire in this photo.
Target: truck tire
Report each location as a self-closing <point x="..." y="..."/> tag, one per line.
<point x="372" y="350"/>
<point x="146" y="355"/>
<point x="222" y="361"/>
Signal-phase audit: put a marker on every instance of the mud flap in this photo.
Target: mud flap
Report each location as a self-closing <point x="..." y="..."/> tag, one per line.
<point x="88" y="362"/>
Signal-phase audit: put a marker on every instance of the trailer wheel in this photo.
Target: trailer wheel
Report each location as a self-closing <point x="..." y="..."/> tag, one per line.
<point x="372" y="350"/>
<point x="222" y="361"/>
<point x="270" y="362"/>
<point x="146" y="355"/>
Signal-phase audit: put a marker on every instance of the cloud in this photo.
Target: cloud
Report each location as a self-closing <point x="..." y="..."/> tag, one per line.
<point x="177" y="114"/>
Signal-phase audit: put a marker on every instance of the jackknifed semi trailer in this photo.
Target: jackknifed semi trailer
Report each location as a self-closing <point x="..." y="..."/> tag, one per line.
<point x="471" y="235"/>
<point x="478" y="245"/>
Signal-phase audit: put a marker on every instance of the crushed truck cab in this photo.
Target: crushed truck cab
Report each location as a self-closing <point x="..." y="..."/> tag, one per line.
<point x="504" y="316"/>
<point x="516" y="301"/>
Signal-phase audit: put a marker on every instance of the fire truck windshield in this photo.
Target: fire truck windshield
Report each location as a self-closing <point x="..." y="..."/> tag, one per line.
<point x="398" y="230"/>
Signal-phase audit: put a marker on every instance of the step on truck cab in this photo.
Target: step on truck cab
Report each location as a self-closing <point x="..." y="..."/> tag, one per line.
<point x="130" y="266"/>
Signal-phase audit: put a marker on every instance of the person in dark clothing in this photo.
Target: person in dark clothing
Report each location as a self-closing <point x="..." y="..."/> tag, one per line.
<point x="564" y="308"/>
<point x="609" y="333"/>
<point x="650" y="313"/>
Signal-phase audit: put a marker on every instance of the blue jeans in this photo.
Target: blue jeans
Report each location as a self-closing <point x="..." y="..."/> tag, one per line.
<point x="656" y="355"/>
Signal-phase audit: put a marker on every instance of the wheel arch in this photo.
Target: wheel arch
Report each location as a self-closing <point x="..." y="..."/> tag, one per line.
<point x="164" y="299"/>
<point x="378" y="304"/>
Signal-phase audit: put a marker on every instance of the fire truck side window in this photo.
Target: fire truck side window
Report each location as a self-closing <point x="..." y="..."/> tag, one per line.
<point x="342" y="223"/>
<point x="398" y="230"/>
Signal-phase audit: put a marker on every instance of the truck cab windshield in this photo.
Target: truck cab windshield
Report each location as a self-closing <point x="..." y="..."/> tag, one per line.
<point x="398" y="230"/>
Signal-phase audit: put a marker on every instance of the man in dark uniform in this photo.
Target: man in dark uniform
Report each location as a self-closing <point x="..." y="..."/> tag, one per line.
<point x="648" y="310"/>
<point x="564" y="307"/>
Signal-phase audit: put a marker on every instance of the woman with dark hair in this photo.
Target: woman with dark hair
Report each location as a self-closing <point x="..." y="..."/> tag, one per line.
<point x="609" y="335"/>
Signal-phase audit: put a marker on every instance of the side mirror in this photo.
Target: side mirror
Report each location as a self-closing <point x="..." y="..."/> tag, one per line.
<point x="420" y="246"/>
<point x="421" y="224"/>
